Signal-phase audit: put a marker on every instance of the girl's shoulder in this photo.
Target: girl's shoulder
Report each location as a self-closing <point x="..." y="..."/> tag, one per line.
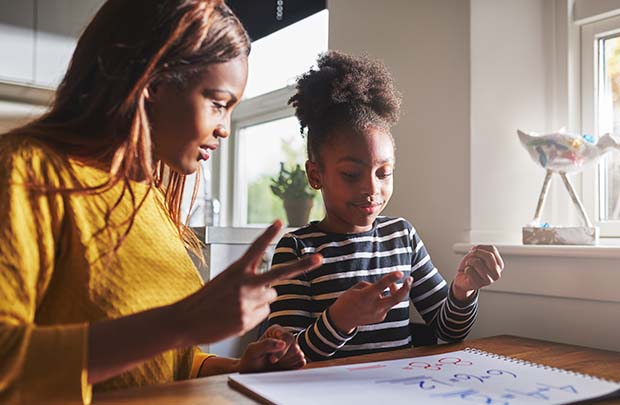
<point x="294" y="235"/>
<point x="392" y="223"/>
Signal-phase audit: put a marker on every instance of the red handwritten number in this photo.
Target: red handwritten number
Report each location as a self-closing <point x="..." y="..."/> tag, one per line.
<point x="421" y="364"/>
<point x="454" y="361"/>
<point x="445" y="361"/>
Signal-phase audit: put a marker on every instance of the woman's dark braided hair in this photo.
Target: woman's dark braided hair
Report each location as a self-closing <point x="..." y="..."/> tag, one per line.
<point x="344" y="90"/>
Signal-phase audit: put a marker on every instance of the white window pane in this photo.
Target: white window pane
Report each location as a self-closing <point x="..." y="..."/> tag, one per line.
<point x="277" y="59"/>
<point x="609" y="121"/>
<point x="261" y="149"/>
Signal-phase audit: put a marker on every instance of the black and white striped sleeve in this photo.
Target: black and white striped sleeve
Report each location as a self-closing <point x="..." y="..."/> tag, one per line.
<point x="291" y="309"/>
<point x="294" y="310"/>
<point x="450" y="319"/>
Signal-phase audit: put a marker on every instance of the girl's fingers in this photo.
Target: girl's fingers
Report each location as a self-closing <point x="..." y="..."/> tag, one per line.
<point x="475" y="279"/>
<point x="492" y="249"/>
<point x="384" y="282"/>
<point x="464" y="263"/>
<point x="360" y="285"/>
<point x="477" y="271"/>
<point x="393" y="288"/>
<point x="491" y="266"/>
<point x="400" y="295"/>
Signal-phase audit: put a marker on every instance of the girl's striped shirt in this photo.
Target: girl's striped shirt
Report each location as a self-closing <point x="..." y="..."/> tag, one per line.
<point x="392" y="244"/>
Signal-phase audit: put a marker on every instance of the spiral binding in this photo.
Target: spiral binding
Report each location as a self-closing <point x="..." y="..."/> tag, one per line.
<point x="535" y="365"/>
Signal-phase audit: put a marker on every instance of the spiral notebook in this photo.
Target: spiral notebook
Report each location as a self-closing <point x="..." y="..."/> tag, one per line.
<point x="467" y="376"/>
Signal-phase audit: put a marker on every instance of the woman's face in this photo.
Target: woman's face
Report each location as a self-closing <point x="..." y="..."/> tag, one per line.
<point x="188" y="121"/>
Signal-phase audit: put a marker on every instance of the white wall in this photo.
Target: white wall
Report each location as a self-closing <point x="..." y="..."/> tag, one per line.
<point x="425" y="44"/>
<point x="509" y="91"/>
<point x="519" y="79"/>
<point x="471" y="73"/>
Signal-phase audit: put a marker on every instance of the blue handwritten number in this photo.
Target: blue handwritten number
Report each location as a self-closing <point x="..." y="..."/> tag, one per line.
<point x="500" y="372"/>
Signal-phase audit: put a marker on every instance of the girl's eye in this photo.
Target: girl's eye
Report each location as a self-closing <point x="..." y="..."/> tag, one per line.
<point x="350" y="176"/>
<point x="384" y="175"/>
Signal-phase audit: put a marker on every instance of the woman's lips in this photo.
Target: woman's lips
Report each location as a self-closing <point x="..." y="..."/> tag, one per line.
<point x="204" y="151"/>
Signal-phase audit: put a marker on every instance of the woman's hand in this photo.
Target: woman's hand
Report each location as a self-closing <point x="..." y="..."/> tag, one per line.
<point x="237" y="299"/>
<point x="276" y="350"/>
<point x="480" y="267"/>
<point x="364" y="303"/>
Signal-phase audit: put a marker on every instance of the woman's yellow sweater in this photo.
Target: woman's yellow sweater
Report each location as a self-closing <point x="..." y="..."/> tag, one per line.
<point x="56" y="277"/>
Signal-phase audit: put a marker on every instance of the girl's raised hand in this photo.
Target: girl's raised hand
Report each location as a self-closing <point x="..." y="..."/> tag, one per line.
<point x="237" y="299"/>
<point x="481" y="266"/>
<point x="365" y="303"/>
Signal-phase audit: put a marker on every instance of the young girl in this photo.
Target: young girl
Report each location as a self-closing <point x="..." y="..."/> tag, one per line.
<point x="358" y="301"/>
<point x="96" y="287"/>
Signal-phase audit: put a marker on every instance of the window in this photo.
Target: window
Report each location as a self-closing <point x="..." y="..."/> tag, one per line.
<point x="600" y="115"/>
<point x="261" y="148"/>
<point x="265" y="130"/>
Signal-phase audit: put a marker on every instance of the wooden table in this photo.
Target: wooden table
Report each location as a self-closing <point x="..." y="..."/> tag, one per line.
<point x="215" y="390"/>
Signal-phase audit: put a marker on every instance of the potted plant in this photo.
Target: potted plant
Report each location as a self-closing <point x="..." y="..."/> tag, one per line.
<point x="292" y="187"/>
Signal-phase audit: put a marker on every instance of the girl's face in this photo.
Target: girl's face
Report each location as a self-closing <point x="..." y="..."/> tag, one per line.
<point x="355" y="175"/>
<point x="187" y="121"/>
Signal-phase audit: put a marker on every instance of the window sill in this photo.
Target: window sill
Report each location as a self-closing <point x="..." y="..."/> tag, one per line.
<point x="569" y="272"/>
<point x="608" y="248"/>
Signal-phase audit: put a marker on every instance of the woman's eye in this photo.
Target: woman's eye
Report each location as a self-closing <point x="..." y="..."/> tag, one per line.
<point x="384" y="175"/>
<point x="218" y="106"/>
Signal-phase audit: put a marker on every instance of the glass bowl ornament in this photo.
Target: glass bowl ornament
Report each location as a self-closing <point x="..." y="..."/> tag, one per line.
<point x="562" y="153"/>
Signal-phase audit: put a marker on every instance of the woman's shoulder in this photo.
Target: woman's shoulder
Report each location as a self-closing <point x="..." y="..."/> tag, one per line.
<point x="29" y="158"/>
<point x="22" y="146"/>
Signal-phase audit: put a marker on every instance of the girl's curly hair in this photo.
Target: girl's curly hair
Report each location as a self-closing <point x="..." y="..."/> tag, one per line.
<point x="344" y="90"/>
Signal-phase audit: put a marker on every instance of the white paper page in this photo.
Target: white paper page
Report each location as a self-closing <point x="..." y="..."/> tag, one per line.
<point x="461" y="377"/>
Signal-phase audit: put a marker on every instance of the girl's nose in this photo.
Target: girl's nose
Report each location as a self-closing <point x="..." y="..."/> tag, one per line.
<point x="371" y="187"/>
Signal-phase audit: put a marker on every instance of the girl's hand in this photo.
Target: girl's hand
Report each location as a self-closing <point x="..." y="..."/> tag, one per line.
<point x="237" y="299"/>
<point x="480" y="267"/>
<point x="364" y="303"/>
<point x="276" y="350"/>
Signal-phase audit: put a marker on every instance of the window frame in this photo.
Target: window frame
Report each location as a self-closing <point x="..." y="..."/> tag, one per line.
<point x="590" y="34"/>
<point x="227" y="176"/>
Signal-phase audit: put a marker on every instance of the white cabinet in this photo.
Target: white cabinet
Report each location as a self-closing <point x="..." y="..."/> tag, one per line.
<point x="17" y="40"/>
<point x="59" y="24"/>
<point x="37" y="38"/>
<point x="225" y="245"/>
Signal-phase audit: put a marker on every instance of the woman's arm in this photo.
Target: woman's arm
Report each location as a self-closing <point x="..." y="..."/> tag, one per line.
<point x="120" y="344"/>
<point x="276" y="350"/>
<point x="235" y="302"/>
<point x="109" y="354"/>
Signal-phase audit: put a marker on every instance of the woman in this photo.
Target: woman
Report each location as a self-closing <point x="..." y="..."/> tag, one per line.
<point x="96" y="286"/>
